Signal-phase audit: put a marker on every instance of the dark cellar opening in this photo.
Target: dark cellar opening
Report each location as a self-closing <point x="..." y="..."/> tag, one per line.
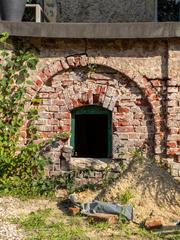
<point x="91" y="136"/>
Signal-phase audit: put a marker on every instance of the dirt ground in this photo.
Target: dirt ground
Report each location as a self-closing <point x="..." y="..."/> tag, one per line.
<point x="153" y="191"/>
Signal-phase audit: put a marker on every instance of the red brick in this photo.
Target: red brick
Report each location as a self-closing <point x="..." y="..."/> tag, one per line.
<point x="64" y="63"/>
<point x="141" y="102"/>
<point x="52" y="122"/>
<point x="122" y="110"/>
<point x="66" y="83"/>
<point x="46" y="115"/>
<point x="57" y="128"/>
<point x="76" y="103"/>
<point x="74" y="211"/>
<point x="47" y="72"/>
<point x="38" y="82"/>
<point x="77" y="61"/>
<point x="44" y="95"/>
<point x="57" y="66"/>
<point x="153" y="223"/>
<point x="171" y="152"/>
<point x="62" y="115"/>
<point x="98" y="89"/>
<point x="125" y="129"/>
<point x="102" y="217"/>
<point x="43" y="134"/>
<point x="45" y="128"/>
<point x="123" y="123"/>
<point x="65" y="128"/>
<point x="172" y="144"/>
<point x="53" y="108"/>
<point x="42" y="76"/>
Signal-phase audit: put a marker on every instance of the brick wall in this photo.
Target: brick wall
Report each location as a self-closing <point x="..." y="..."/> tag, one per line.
<point x="135" y="79"/>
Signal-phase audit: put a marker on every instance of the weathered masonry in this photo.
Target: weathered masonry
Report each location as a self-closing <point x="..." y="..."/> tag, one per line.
<point x="100" y="11"/>
<point x="114" y="90"/>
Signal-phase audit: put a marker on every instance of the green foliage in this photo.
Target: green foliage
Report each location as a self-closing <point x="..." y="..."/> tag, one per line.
<point x="99" y="226"/>
<point x="67" y="180"/>
<point x="125" y="197"/>
<point x="92" y="68"/>
<point x="50" y="224"/>
<point x="35" y="219"/>
<point x="63" y="136"/>
<point x="21" y="166"/>
<point x="137" y="155"/>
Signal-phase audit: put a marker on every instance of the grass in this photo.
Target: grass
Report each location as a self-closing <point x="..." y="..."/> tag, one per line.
<point x="45" y="225"/>
<point x="39" y="227"/>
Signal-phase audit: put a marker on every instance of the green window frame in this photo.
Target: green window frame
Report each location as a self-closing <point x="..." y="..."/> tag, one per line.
<point x="88" y="110"/>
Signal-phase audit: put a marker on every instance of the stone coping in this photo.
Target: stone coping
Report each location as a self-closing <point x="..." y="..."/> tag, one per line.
<point x="97" y="164"/>
<point x="135" y="30"/>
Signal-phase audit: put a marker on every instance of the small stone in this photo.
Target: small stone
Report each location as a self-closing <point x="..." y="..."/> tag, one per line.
<point x="67" y="149"/>
<point x="152" y="223"/>
<point x="61" y="193"/>
<point x="85" y="196"/>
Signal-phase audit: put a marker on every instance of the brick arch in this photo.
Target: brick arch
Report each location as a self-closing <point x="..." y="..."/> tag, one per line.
<point x="71" y="62"/>
<point x="66" y="63"/>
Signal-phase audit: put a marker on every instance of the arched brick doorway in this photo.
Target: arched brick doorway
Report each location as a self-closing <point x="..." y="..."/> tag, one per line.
<point x="91" y="132"/>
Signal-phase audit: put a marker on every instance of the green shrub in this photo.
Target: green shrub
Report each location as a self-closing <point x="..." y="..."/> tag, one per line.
<point x="21" y="167"/>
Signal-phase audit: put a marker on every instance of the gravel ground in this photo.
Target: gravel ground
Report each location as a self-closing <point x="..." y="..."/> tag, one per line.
<point x="10" y="231"/>
<point x="7" y="230"/>
<point x="13" y="208"/>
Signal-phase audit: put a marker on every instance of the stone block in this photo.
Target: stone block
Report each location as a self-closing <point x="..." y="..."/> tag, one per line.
<point x="67" y="149"/>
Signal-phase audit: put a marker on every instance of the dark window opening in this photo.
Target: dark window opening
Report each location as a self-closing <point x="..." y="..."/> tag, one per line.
<point x="168" y="10"/>
<point x="91" y="136"/>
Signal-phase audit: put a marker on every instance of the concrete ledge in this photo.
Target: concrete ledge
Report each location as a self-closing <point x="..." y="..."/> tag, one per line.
<point x="142" y="30"/>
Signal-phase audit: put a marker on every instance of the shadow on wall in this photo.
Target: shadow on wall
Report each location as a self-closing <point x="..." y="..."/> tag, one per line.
<point x="134" y="100"/>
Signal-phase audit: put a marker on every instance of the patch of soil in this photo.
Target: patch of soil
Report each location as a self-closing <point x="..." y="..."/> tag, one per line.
<point x="154" y="191"/>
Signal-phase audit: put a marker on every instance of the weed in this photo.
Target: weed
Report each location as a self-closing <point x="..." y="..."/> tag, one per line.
<point x="35" y="220"/>
<point x="92" y="68"/>
<point x="137" y="155"/>
<point x="125" y="197"/>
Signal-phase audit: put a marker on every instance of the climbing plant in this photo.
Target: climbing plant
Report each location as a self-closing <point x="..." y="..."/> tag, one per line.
<point x="21" y="166"/>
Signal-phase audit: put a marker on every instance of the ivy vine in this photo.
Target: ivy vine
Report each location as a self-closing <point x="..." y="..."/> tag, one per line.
<point x="21" y="166"/>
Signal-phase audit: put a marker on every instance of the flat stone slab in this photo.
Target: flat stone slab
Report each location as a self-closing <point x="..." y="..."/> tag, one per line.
<point x="98" y="164"/>
<point x="132" y="30"/>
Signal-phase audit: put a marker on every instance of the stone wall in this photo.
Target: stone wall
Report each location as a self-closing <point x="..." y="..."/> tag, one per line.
<point x="100" y="11"/>
<point x="135" y="79"/>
